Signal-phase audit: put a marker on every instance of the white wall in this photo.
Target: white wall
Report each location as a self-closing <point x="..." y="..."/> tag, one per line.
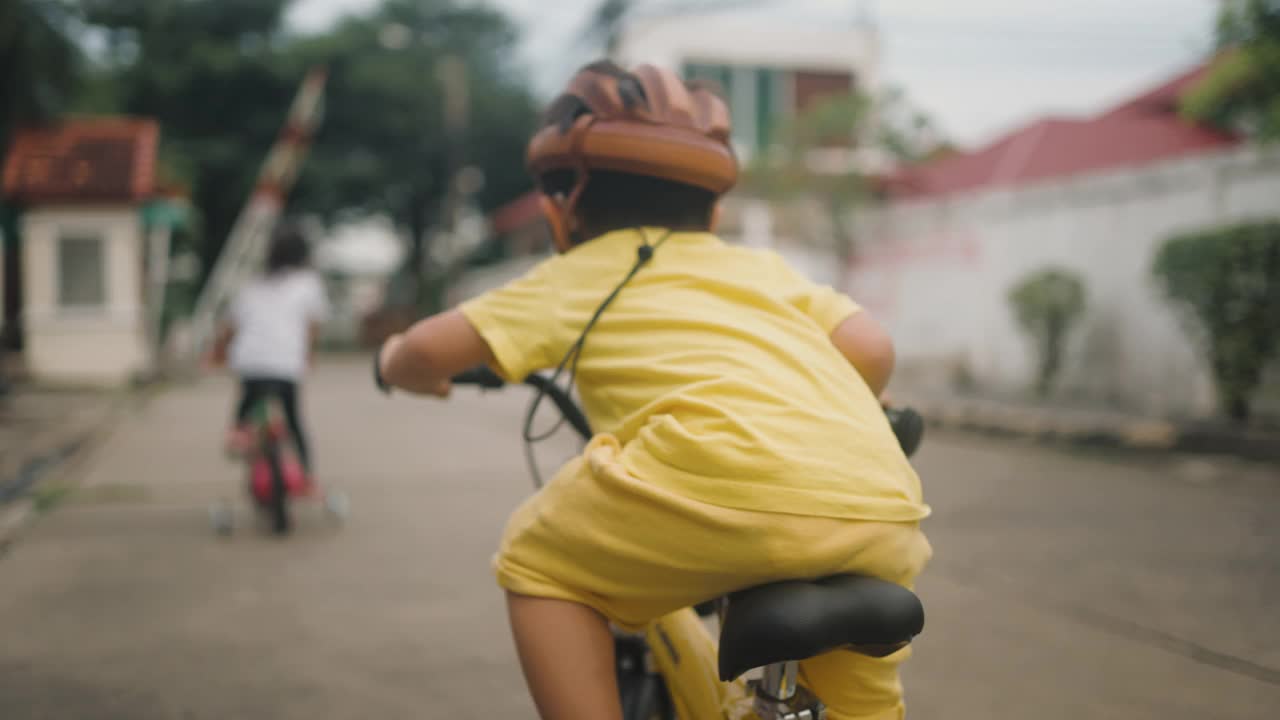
<point x="938" y="273"/>
<point x="105" y="345"/>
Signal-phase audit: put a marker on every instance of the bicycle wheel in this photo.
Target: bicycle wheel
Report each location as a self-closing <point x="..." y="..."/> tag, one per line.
<point x="643" y="693"/>
<point x="279" y="505"/>
<point x="645" y="697"/>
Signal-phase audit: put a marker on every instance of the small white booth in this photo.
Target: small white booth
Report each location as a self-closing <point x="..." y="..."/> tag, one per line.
<point x="93" y="256"/>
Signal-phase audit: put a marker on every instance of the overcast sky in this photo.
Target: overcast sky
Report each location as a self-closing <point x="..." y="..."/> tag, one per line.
<point x="979" y="67"/>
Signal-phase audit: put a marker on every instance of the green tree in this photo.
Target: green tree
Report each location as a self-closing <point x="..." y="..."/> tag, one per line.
<point x="386" y="145"/>
<point x="887" y="128"/>
<point x="1242" y="91"/>
<point x="210" y="71"/>
<point x="1226" y="283"/>
<point x="787" y="174"/>
<point x="39" y="62"/>
<point x="1046" y="304"/>
<point x="219" y="75"/>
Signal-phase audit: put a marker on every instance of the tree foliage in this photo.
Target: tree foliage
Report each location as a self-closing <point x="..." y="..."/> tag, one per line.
<point x="1242" y="91"/>
<point x="385" y="146"/>
<point x="1046" y="304"/>
<point x="854" y="129"/>
<point x="1226" y="283"/>
<point x="210" y="72"/>
<point x="39" y="62"/>
<point x="219" y="76"/>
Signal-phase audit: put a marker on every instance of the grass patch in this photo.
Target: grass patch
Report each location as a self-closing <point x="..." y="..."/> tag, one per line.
<point x="44" y="498"/>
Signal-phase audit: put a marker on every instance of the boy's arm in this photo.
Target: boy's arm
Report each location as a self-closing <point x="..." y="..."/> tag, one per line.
<point x="866" y="345"/>
<point x="858" y="337"/>
<point x="424" y="357"/>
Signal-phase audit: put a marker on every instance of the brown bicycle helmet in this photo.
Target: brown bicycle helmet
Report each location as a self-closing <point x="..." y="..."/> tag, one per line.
<point x="646" y="122"/>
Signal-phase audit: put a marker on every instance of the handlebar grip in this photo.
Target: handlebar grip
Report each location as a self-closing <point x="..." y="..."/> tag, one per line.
<point x="568" y="408"/>
<point x="908" y="426"/>
<point x="481" y="376"/>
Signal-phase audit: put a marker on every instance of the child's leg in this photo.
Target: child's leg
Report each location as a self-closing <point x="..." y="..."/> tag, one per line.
<point x="239" y="440"/>
<point x="289" y="398"/>
<point x="566" y="650"/>
<point x="250" y="392"/>
<point x="857" y="687"/>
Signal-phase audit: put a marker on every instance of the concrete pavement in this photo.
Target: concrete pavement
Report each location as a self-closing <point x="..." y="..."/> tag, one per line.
<point x="1064" y="586"/>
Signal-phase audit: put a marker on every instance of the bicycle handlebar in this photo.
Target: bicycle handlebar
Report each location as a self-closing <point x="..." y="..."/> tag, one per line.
<point x="907" y="424"/>
<point x="908" y="427"/>
<point x="480" y="376"/>
<point x="487" y="379"/>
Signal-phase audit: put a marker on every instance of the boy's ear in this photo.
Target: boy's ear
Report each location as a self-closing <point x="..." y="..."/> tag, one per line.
<point x="558" y="219"/>
<point x="717" y="211"/>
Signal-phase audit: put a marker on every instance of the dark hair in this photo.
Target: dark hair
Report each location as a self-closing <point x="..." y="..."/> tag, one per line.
<point x="615" y="200"/>
<point x="289" y="249"/>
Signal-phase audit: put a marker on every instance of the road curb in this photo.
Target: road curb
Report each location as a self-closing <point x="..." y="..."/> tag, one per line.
<point x="1085" y="430"/>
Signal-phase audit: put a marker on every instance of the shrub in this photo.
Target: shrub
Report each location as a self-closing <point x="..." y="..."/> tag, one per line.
<point x="1225" y="283"/>
<point x="1047" y="303"/>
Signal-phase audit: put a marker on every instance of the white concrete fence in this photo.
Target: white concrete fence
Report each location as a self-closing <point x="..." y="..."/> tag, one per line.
<point x="938" y="272"/>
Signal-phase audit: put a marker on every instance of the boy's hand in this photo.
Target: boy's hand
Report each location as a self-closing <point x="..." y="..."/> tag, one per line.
<point x="443" y="389"/>
<point x="389" y="348"/>
<point x="424" y="358"/>
<point x="380" y="361"/>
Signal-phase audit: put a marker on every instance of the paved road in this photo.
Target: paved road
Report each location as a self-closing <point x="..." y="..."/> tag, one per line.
<point x="1063" y="587"/>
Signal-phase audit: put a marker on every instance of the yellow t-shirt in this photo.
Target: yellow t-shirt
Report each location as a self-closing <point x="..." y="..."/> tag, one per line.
<point x="715" y="370"/>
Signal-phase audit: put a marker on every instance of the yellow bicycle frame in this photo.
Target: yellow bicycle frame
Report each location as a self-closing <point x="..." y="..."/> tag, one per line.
<point x="685" y="654"/>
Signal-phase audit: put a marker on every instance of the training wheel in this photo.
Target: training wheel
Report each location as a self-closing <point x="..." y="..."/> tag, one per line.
<point x="221" y="518"/>
<point x="337" y="505"/>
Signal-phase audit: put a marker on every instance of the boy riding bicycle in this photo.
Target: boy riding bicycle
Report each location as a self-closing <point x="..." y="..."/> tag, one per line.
<point x="743" y="441"/>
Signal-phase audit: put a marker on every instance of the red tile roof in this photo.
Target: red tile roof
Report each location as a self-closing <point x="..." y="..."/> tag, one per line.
<point x="109" y="159"/>
<point x="1142" y="130"/>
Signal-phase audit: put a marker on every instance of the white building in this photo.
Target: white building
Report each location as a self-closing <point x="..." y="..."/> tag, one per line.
<point x="770" y="67"/>
<point x="93" y="251"/>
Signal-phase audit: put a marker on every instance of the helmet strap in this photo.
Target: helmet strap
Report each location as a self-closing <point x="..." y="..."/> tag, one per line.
<point x="559" y="209"/>
<point x="553" y="210"/>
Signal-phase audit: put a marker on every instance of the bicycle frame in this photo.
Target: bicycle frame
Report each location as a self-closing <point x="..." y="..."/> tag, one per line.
<point x="685" y="655"/>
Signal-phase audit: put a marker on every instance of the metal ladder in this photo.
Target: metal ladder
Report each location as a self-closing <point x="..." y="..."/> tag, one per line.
<point x="247" y="244"/>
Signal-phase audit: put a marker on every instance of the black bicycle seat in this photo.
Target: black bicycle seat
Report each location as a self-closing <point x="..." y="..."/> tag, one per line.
<point x="798" y="619"/>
